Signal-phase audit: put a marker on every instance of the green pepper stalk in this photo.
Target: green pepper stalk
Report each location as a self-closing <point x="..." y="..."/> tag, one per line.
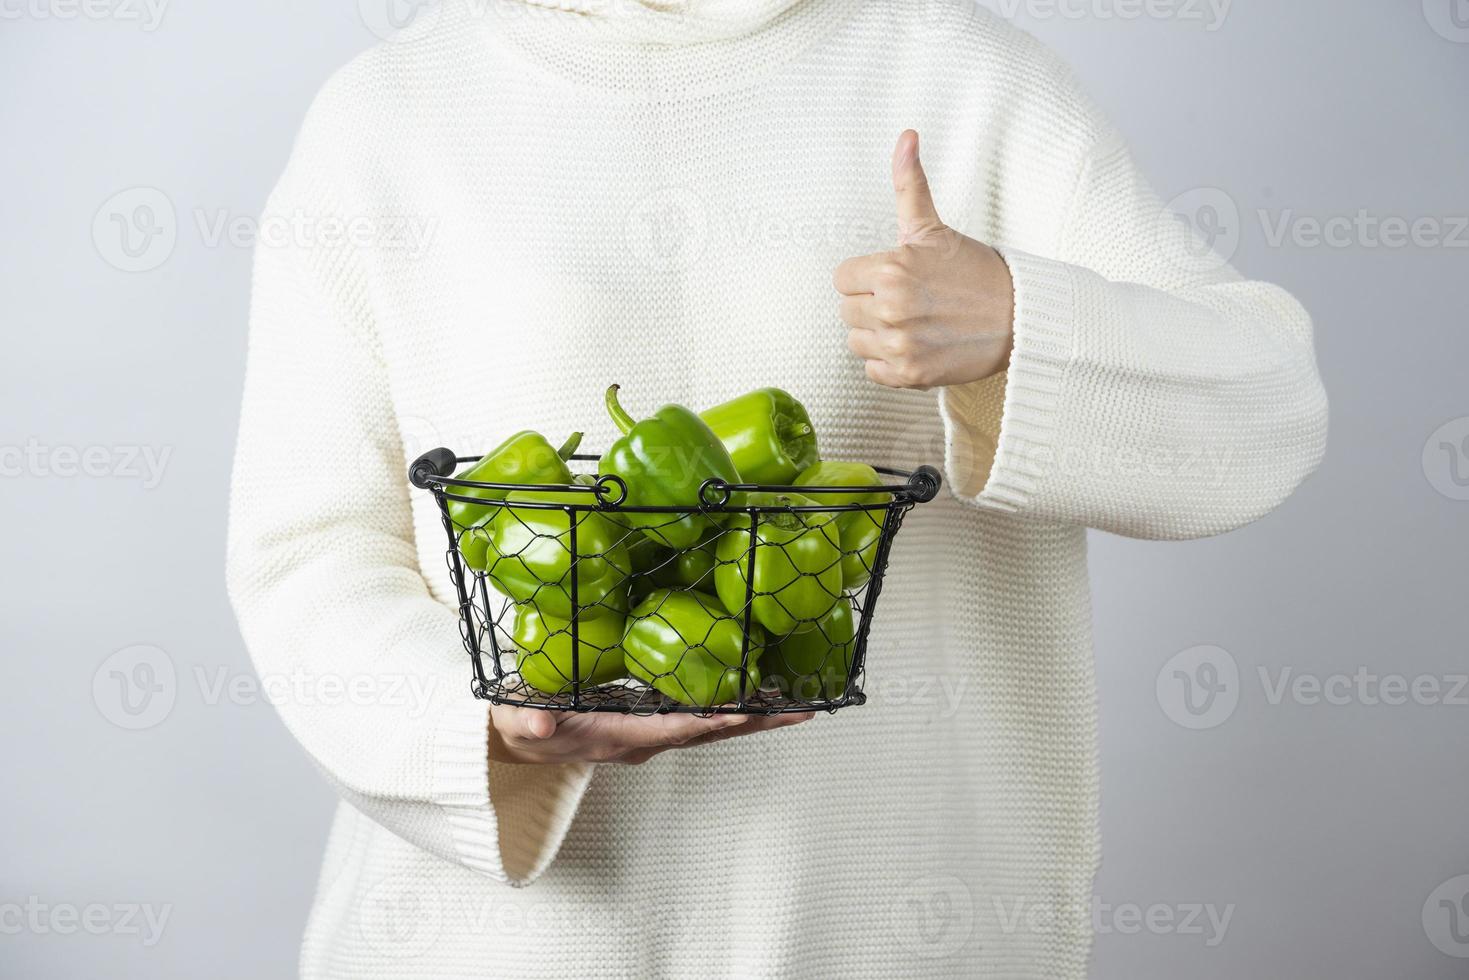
<point x="815" y="664"/>
<point x="544" y="649"/>
<point x="530" y="555"/>
<point x="768" y="434"/>
<point x="664" y="460"/>
<point x="524" y="458"/>
<point x="798" y="564"/>
<point x="688" y="647"/>
<point x="860" y="530"/>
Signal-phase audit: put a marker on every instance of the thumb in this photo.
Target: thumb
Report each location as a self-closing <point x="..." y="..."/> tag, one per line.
<point x="917" y="216"/>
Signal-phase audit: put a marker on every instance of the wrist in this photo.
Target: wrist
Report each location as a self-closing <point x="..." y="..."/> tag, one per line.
<point x="1003" y="289"/>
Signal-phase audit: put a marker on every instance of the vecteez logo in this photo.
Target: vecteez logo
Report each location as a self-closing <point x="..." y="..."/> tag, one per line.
<point x="668" y="231"/>
<point x="932" y="917"/>
<point x="1199" y="230"/>
<point x="136" y="687"/>
<point x="1446" y="459"/>
<point x="144" y="921"/>
<point x="1448" y="18"/>
<point x="931" y="21"/>
<point x="671" y="229"/>
<point x="399" y="21"/>
<point x="136" y="229"/>
<point x="126" y="461"/>
<point x="1201" y="687"/>
<point x="1210" y="14"/>
<point x="399" y="917"/>
<point x="1446" y="917"/>
<point x="1207" y="921"/>
<point x="146" y="14"/>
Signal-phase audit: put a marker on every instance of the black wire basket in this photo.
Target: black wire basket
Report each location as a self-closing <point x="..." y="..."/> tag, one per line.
<point x="575" y="604"/>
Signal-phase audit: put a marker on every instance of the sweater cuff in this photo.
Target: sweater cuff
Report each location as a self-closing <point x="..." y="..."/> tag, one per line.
<point x="1018" y="457"/>
<point x="507" y="821"/>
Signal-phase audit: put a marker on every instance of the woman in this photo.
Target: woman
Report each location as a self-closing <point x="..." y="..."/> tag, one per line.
<point x="663" y="194"/>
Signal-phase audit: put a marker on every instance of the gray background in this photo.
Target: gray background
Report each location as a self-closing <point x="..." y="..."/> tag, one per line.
<point x="1326" y="827"/>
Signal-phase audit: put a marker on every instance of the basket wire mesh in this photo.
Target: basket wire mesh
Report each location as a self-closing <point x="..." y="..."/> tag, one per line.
<point x="580" y="603"/>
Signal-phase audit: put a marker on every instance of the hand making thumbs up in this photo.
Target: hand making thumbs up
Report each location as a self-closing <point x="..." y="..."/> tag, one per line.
<point x="938" y="309"/>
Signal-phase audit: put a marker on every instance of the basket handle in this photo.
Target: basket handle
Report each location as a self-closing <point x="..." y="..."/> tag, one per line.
<point x="434" y="463"/>
<point x="924" y="484"/>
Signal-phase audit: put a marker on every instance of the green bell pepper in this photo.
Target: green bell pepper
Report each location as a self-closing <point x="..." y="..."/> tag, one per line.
<point x="530" y="557"/>
<point x="798" y="564"/>
<point x="692" y="568"/>
<point x="860" y="530"/>
<point x="524" y="458"/>
<point x="644" y="553"/>
<point x="663" y="461"/>
<point x="768" y="435"/>
<point x="474" y="542"/>
<point x="688" y="647"/>
<point x="543" y="645"/>
<point x="815" y="664"/>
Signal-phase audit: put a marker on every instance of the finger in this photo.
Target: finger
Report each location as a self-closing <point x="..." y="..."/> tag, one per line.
<point x="753" y="725"/>
<point x="763" y="723"/>
<point x="858" y="276"/>
<point x="917" y="215"/>
<point x="528" y="724"/>
<point x="661" y="731"/>
<point x="885" y="374"/>
<point x="856" y="312"/>
<point x="866" y="344"/>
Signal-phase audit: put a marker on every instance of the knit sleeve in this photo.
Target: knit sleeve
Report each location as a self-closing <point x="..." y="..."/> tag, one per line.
<point x="1151" y="392"/>
<point x="324" y="578"/>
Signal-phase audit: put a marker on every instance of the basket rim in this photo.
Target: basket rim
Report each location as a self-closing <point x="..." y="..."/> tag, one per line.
<point x="427" y="472"/>
<point x="500" y="690"/>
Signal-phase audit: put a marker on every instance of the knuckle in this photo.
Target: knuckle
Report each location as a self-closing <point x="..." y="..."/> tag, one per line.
<point x="902" y="293"/>
<point x="891" y="272"/>
<point x="912" y="376"/>
<point x="887" y="311"/>
<point x="897" y="345"/>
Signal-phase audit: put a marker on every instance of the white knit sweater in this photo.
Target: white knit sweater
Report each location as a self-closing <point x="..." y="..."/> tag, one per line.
<point x="620" y="191"/>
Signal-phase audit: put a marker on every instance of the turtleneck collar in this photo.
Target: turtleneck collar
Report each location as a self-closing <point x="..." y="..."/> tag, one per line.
<point x="658" y="50"/>
<point x="674" y="21"/>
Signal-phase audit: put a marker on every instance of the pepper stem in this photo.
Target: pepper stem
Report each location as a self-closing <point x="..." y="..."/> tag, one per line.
<point x="786" y="520"/>
<point x="624" y="421"/>
<point x="568" y="448"/>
